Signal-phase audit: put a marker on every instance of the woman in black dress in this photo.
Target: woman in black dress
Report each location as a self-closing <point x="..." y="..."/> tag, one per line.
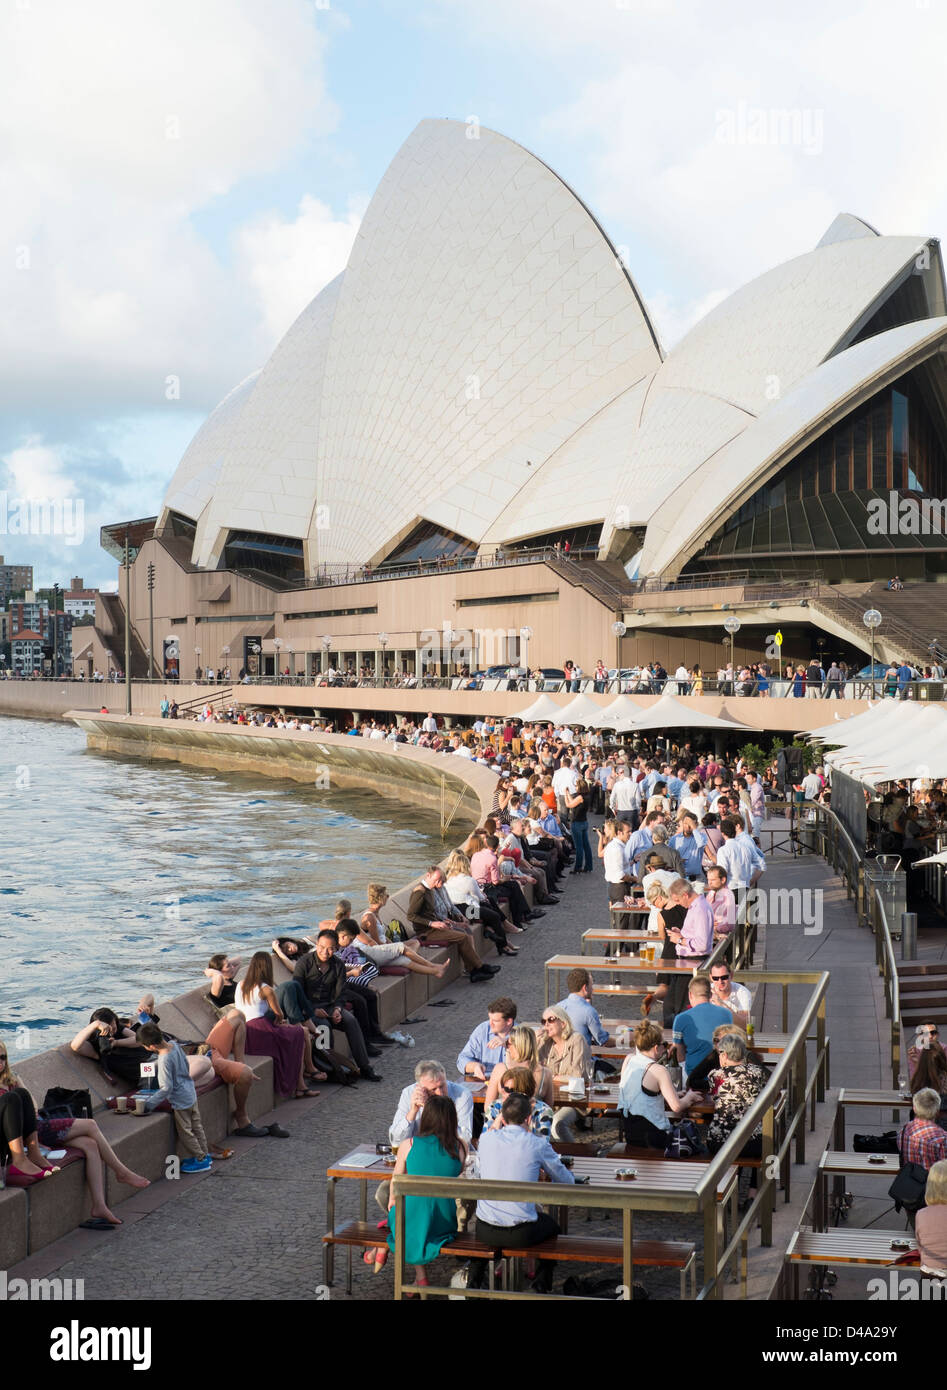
<point x="670" y="989"/>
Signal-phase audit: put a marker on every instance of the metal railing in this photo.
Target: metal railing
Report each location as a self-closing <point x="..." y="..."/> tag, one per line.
<point x="783" y="1104"/>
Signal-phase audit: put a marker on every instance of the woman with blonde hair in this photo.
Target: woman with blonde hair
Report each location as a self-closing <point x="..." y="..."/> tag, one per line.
<point x="373" y="945"/>
<point x="522" y="1050"/>
<point x="22" y="1132"/>
<point x="567" y="1054"/>
<point x="465" y="893"/>
<point x="930" y="1224"/>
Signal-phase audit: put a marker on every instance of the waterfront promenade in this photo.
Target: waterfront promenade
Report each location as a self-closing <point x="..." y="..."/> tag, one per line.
<point x="270" y="1199"/>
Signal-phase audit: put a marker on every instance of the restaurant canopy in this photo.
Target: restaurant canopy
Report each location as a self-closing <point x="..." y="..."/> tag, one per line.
<point x="907" y="742"/>
<point x="581" y="711"/>
<point x="542" y="708"/>
<point x="671" y="713"/>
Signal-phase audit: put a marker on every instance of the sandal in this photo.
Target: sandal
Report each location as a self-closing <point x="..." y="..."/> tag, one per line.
<point x="222" y="1153"/>
<point x="307" y="1094"/>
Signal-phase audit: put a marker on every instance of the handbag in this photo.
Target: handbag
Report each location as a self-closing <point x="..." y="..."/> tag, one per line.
<point x="59" y="1103"/>
<point x="684" y="1141"/>
<point x="909" y="1186"/>
<point x="886" y="1143"/>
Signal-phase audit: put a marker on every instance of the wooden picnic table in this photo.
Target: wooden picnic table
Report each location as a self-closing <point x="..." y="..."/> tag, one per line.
<point x="855" y="1097"/>
<point x="845" y="1247"/>
<point x="614" y="936"/>
<point x="630" y="967"/>
<point x="839" y="1164"/>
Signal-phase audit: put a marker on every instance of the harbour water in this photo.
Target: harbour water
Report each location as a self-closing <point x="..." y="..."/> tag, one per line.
<point x="119" y="876"/>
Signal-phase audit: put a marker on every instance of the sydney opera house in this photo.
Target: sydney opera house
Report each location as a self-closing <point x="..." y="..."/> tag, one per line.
<point x="475" y="429"/>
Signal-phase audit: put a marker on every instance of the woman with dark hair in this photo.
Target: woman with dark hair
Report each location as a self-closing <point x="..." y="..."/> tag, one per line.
<point x="269" y="1032"/>
<point x="115" y="1046"/>
<point x="22" y="1132"/>
<point x="578" y="803"/>
<point x="437" y="1152"/>
<point x="931" y="1072"/>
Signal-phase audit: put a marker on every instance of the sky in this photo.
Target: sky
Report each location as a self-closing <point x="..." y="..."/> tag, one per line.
<point x="178" y="180"/>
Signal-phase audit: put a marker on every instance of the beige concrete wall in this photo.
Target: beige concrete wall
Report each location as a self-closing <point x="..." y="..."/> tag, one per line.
<point x="52" y="699"/>
<point x="415" y="775"/>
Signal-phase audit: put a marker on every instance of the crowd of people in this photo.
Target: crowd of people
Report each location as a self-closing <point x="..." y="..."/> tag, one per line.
<point x="680" y="839"/>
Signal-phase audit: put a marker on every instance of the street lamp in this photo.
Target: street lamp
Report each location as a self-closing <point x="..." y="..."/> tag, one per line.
<point x="225" y="652"/>
<point x="619" y="629"/>
<point x="383" y="643"/>
<point x="872" y="619"/>
<point x="732" y="626"/>
<point x="525" y="635"/>
<point x="151" y="613"/>
<point x="197" y="661"/>
<point x="291" y="653"/>
<point x="326" y="644"/>
<point x="277" y="644"/>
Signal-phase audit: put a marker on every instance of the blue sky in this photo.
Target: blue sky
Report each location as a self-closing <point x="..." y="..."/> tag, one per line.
<point x="179" y="180"/>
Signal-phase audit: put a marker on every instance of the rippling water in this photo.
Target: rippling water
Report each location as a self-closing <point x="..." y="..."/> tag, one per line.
<point x="119" y="874"/>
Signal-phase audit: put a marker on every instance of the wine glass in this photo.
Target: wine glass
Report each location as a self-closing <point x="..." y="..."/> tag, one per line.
<point x="902" y="1084"/>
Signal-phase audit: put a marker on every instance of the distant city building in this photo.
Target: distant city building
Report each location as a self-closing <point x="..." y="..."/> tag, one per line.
<point x="80" y="601"/>
<point x="58" y="642"/>
<point x="13" y="578"/>
<point x="27" y="652"/>
<point x="28" y="614"/>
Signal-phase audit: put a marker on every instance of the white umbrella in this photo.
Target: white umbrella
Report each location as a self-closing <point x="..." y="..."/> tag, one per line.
<point x="670" y="713"/>
<point x="543" y="707"/>
<point x="582" y="711"/>
<point x="618" y="712"/>
<point x="940" y="858"/>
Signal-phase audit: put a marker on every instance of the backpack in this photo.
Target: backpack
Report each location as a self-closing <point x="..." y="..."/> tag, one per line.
<point x="60" y="1103"/>
<point x="395" y="931"/>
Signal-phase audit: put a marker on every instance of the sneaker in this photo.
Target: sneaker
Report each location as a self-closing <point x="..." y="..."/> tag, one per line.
<point x="196" y="1165"/>
<point x="403" y="1039"/>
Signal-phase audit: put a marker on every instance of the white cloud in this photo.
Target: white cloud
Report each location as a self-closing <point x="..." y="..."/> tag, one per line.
<point x="119" y="123"/>
<point x="288" y="263"/>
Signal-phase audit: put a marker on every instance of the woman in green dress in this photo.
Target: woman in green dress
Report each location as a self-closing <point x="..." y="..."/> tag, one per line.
<point x="437" y="1151"/>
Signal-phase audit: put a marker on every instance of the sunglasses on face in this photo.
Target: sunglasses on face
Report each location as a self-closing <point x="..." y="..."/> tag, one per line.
<point x="720" y="977"/>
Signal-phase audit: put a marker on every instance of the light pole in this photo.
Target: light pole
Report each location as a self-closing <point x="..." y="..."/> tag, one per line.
<point x="525" y="634"/>
<point x="326" y="644"/>
<point x="872" y="619"/>
<point x="733" y="626"/>
<point x="128" y="627"/>
<point x="277" y="647"/>
<point x="255" y="650"/>
<point x="197" y="661"/>
<point x="225" y="653"/>
<point x="290" y="652"/>
<point x="619" y="629"/>
<point x="383" y="643"/>
<point x="55" y="631"/>
<point x="151" y="615"/>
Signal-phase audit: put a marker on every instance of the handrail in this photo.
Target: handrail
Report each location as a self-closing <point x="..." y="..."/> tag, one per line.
<point x="786" y="1090"/>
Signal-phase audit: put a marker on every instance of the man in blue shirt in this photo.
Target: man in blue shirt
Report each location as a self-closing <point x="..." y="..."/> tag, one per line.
<point x="512" y="1154"/>
<point x="486" y="1045"/>
<point x="694" y="1029"/>
<point x="583" y="1016"/>
<point x="689" y="843"/>
<point x="905" y="676"/>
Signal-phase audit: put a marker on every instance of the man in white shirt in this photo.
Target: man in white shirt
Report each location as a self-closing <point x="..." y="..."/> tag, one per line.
<point x="429" y="724"/>
<point x="740" y="861"/>
<point x="618" y="870"/>
<point x="812" y="786"/>
<point x="683" y="678"/>
<point x="625" y="799"/>
<point x="565" y="778"/>
<point x="725" y="992"/>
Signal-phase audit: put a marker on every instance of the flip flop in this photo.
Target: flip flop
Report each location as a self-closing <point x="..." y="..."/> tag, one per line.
<point x="220" y="1154"/>
<point x="97" y="1223"/>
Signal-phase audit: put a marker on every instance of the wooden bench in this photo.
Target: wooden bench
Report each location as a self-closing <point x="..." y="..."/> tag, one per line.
<point x="871" y="1248"/>
<point x="655" y="1254"/>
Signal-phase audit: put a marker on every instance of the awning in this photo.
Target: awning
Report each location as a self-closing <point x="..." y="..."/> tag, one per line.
<point x="542" y="708"/>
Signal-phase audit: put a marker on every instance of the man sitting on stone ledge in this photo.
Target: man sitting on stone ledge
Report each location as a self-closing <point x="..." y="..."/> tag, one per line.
<point x="438" y="923"/>
<point x="323" y="977"/>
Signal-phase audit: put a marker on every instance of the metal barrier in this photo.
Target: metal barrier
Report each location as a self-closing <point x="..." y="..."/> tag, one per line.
<point x="783" y="1104"/>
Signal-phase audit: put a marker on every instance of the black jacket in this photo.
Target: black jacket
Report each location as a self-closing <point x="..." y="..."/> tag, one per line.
<point x="322" y="988"/>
